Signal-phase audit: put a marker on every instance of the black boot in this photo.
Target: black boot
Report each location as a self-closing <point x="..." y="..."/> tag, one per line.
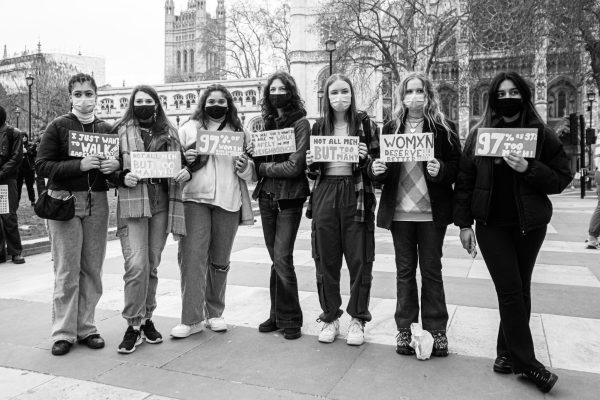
<point x="542" y="378"/>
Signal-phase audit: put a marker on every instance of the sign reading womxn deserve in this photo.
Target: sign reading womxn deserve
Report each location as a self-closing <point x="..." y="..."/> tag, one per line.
<point x="155" y="164"/>
<point x="407" y="147"/>
<point x="500" y="142"/>
<point x="279" y="141"/>
<point x="334" y="148"/>
<point x="82" y="144"/>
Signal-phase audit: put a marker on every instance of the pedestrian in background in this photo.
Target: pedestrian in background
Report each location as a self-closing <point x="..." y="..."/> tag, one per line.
<point x="78" y="244"/>
<point x="281" y="192"/>
<point x="26" y="171"/>
<point x="507" y="197"/>
<point x="594" y="228"/>
<point x="342" y="206"/>
<point x="11" y="156"/>
<point x="216" y="201"/>
<point x="416" y="206"/>
<point x="148" y="210"/>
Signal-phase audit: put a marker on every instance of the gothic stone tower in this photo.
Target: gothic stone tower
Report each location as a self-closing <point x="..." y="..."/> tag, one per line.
<point x="194" y="42"/>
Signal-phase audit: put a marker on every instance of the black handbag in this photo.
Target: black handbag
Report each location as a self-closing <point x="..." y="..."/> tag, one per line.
<point x="48" y="207"/>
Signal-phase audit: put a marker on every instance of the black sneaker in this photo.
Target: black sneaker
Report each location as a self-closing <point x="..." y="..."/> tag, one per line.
<point x="542" y="378"/>
<point x="503" y="365"/>
<point x="132" y="338"/>
<point x="440" y="344"/>
<point x="403" y="343"/>
<point x="150" y="333"/>
<point x="292" y="333"/>
<point x="268" y="326"/>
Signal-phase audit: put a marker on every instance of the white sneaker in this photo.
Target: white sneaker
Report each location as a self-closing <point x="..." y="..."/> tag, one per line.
<point x="183" y="331"/>
<point x="216" y="324"/>
<point x="356" y="333"/>
<point x="329" y="331"/>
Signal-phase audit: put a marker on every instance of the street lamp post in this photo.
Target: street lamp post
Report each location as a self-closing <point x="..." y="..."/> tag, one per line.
<point x="29" y="80"/>
<point x="177" y="119"/>
<point x="591" y="96"/>
<point x="320" y="94"/>
<point x="330" y="46"/>
<point x="18" y="114"/>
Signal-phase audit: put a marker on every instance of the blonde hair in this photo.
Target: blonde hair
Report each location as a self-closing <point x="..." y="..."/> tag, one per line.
<point x="432" y="111"/>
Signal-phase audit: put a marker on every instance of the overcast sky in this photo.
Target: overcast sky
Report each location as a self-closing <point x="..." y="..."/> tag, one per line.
<point x="129" y="34"/>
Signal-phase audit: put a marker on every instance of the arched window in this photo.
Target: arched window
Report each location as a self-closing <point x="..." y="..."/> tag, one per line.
<point x="178" y="100"/>
<point x="123" y="102"/>
<point x="238" y="97"/>
<point x="191" y="97"/>
<point x="185" y="61"/>
<point x="163" y="101"/>
<point x="251" y="97"/>
<point x="449" y="102"/>
<point x="107" y="105"/>
<point x="256" y="125"/>
<point x="561" y="97"/>
<point x="562" y="104"/>
<point x="178" y="61"/>
<point x="191" y="60"/>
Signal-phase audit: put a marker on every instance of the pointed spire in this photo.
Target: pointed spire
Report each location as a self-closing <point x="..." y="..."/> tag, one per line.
<point x="39" y="46"/>
<point x="5" y="53"/>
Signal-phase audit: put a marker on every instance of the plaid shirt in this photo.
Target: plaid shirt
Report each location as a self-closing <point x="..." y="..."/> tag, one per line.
<point x="365" y="194"/>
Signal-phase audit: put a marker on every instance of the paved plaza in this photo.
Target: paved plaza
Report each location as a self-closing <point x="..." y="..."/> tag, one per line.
<point x="243" y="363"/>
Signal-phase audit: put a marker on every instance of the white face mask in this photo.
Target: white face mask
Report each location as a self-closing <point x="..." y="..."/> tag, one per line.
<point x="414" y="101"/>
<point x="340" y="102"/>
<point x="84" y="105"/>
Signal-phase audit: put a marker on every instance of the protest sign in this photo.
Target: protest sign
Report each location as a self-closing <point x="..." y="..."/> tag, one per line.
<point x="220" y="143"/>
<point x="155" y="164"/>
<point x="4" y="199"/>
<point x="82" y="144"/>
<point x="334" y="148"/>
<point x="500" y="142"/>
<point x="406" y="147"/>
<point x="274" y="142"/>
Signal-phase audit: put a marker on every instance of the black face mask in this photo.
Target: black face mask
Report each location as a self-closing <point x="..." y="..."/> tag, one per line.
<point x="509" y="107"/>
<point x="279" y="100"/>
<point x="144" y="112"/>
<point x="215" y="112"/>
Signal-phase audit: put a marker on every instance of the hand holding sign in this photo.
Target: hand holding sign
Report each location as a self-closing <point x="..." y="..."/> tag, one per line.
<point x="109" y="166"/>
<point x="516" y="162"/>
<point x="241" y="163"/>
<point x="433" y="167"/>
<point x="378" y="167"/>
<point x="89" y="162"/>
<point x="131" y="179"/>
<point x="362" y="150"/>
<point x="309" y="158"/>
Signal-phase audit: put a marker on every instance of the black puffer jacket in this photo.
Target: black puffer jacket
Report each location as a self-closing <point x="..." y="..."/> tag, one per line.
<point x="11" y="152"/>
<point x="548" y="173"/>
<point x="53" y="160"/>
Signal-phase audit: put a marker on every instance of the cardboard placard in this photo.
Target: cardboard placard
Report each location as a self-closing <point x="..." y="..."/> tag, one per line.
<point x="82" y="144"/>
<point x="220" y="143"/>
<point x="279" y="141"/>
<point x="4" y="206"/>
<point x="500" y="142"/>
<point x="334" y="148"/>
<point x="407" y="147"/>
<point x="155" y="164"/>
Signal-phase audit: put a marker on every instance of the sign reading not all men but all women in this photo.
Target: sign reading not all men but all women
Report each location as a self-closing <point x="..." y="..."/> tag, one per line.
<point x="155" y="164"/>
<point x="82" y="144"/>
<point x="500" y="142"/>
<point x="334" y="148"/>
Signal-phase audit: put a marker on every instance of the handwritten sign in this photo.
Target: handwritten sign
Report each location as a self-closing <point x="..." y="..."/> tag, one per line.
<point x="407" y="147"/>
<point x="4" y="209"/>
<point x="155" y="164"/>
<point x="82" y="144"/>
<point x="274" y="142"/>
<point x="334" y="148"/>
<point x="220" y="143"/>
<point x="500" y="142"/>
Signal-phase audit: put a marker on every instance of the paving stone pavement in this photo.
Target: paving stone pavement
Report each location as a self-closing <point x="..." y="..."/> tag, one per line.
<point x="245" y="364"/>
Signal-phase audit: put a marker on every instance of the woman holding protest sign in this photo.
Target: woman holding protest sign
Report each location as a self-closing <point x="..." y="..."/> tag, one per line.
<point x="79" y="243"/>
<point x="150" y="207"/>
<point x="342" y="206"/>
<point x="508" y="197"/>
<point x="216" y="201"/>
<point x="416" y="205"/>
<point x="281" y="191"/>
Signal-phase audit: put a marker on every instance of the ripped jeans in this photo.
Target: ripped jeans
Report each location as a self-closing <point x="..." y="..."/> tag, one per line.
<point x="204" y="260"/>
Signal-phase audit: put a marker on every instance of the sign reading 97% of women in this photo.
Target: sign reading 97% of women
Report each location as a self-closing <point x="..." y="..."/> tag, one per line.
<point x="334" y="148"/>
<point x="406" y="147"/>
<point x="82" y="144"/>
<point x="155" y="164"/>
<point x="220" y="143"/>
<point x="500" y="142"/>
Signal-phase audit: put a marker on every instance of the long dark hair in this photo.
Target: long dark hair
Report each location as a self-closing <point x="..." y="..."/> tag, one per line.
<point x="295" y="103"/>
<point x="351" y="116"/>
<point x="529" y="115"/>
<point x="161" y="122"/>
<point x="231" y="117"/>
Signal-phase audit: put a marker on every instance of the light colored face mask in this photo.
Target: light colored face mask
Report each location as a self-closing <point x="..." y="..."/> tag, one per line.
<point x="414" y="101"/>
<point x="340" y="102"/>
<point x="84" y="105"/>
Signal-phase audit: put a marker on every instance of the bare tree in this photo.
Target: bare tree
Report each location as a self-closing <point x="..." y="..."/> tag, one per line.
<point x="276" y="25"/>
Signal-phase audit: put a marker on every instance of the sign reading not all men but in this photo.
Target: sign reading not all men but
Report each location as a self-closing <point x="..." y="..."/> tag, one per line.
<point x="155" y="164"/>
<point x="220" y="143"/>
<point x="279" y="141"/>
<point x="407" y="147"/>
<point x="500" y="142"/>
<point x="82" y="144"/>
<point x="4" y="199"/>
<point x="334" y="148"/>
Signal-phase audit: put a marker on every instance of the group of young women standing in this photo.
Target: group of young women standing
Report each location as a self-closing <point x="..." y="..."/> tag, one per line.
<point x="205" y="202"/>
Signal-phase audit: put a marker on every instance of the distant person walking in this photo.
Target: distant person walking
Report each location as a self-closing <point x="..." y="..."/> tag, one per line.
<point x="26" y="171"/>
<point x="594" y="229"/>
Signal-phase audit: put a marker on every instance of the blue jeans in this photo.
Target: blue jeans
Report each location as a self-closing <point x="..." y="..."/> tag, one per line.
<point x="419" y="242"/>
<point x="78" y="249"/>
<point x="203" y="256"/>
<point x="280" y="228"/>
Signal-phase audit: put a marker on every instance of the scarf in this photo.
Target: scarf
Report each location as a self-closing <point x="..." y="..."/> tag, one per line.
<point x="83" y="118"/>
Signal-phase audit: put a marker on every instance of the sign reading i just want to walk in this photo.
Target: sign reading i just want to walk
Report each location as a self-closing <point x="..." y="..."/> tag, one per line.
<point x="155" y="164"/>
<point x="278" y="141"/>
<point x="406" y="147"/>
<point x="82" y="144"/>
<point x="334" y="148"/>
<point x="220" y="143"/>
<point x="500" y="142"/>
<point x="4" y="207"/>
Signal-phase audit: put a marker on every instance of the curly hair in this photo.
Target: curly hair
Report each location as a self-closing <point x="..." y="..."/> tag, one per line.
<point x="231" y="117"/>
<point x="295" y="103"/>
